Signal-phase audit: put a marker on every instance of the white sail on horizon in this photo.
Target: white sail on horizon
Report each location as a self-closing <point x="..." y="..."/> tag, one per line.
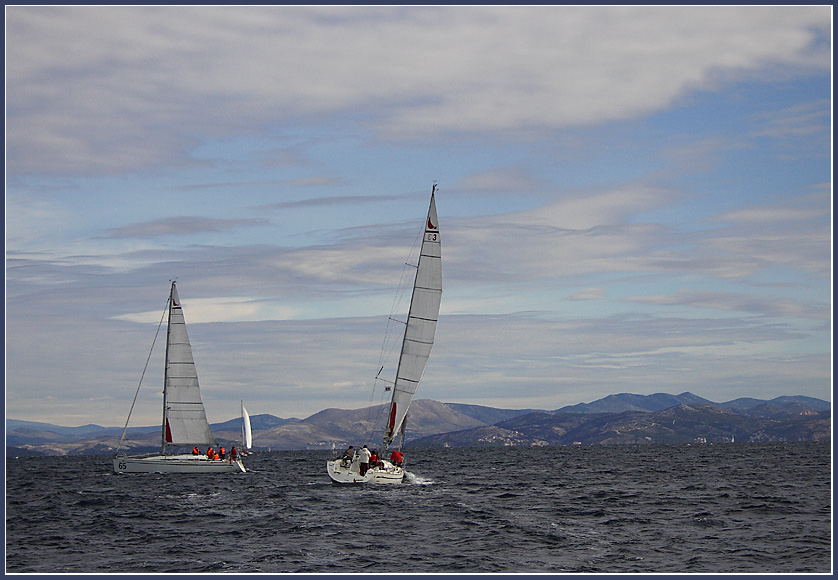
<point x="247" y="434"/>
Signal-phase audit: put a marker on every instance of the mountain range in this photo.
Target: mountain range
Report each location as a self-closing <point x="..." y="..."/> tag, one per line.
<point x="616" y="419"/>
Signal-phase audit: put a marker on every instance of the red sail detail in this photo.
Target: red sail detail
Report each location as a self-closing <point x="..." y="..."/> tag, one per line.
<point x="392" y="422"/>
<point x="430" y="225"/>
<point x="168" y="432"/>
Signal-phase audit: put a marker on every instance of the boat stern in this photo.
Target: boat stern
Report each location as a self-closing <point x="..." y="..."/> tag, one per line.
<point x="339" y="472"/>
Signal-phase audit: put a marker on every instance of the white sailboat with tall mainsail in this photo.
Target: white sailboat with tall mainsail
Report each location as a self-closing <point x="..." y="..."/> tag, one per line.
<point x="184" y="418"/>
<point x="416" y="349"/>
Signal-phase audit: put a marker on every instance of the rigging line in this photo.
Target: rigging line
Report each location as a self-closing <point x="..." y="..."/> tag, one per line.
<point x="401" y="292"/>
<point x="159" y="324"/>
<point x="373" y="418"/>
<point x="407" y="267"/>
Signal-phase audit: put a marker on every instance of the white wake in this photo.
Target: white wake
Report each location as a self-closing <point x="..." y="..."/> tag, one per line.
<point x="417" y="479"/>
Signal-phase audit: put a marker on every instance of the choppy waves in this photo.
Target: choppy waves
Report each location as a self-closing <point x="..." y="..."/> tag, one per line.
<point x="739" y="508"/>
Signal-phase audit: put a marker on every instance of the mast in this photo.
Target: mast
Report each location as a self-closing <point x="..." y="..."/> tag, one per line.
<point x="421" y="324"/>
<point x="166" y="373"/>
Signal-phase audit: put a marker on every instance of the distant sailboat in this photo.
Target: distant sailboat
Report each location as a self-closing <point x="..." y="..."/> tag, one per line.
<point x="184" y="418"/>
<point x="247" y="436"/>
<point x="416" y="349"/>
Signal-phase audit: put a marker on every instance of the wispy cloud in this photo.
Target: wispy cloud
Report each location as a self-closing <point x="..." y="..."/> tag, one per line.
<point x="751" y="303"/>
<point x="181" y="226"/>
<point x="587" y="294"/>
<point x="802" y="120"/>
<point x="332" y="201"/>
<point x="303" y="182"/>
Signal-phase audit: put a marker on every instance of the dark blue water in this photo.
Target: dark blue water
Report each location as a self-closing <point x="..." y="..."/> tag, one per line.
<point x="758" y="508"/>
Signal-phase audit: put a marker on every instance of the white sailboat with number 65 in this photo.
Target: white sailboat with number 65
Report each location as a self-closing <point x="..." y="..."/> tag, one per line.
<point x="416" y="349"/>
<point x="184" y="418"/>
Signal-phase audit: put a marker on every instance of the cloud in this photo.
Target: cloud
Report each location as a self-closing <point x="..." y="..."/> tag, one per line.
<point x="576" y="233"/>
<point x="332" y="201"/>
<point x="795" y="234"/>
<point x="801" y="209"/>
<point x="556" y="361"/>
<point x="303" y="182"/>
<point x="750" y="303"/>
<point x="181" y="226"/>
<point x="587" y="294"/>
<point x="602" y="232"/>
<point x="297" y="367"/>
<point x="505" y="180"/>
<point x="29" y="220"/>
<point x="801" y="121"/>
<point x="111" y="89"/>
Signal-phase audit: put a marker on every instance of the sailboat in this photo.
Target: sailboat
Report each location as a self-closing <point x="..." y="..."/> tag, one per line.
<point x="184" y="418"/>
<point x="247" y="434"/>
<point x="416" y="349"/>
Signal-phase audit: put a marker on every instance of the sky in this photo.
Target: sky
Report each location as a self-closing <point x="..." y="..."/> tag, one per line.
<point x="630" y="200"/>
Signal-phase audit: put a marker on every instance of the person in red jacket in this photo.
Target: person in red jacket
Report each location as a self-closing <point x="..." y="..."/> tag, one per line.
<point x="396" y="457"/>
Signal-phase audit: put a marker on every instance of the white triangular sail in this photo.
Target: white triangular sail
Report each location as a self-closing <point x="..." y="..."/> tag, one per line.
<point x="421" y="324"/>
<point x="247" y="435"/>
<point x="184" y="418"/>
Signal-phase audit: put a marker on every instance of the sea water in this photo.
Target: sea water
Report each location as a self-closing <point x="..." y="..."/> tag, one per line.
<point x="749" y="508"/>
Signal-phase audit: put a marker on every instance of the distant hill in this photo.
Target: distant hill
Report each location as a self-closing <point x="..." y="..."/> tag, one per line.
<point x="628" y="402"/>
<point x="616" y="419"/>
<point x="746" y="403"/>
<point x="488" y="415"/>
<point x="702" y="423"/>
<point x="257" y="423"/>
<point x="341" y="427"/>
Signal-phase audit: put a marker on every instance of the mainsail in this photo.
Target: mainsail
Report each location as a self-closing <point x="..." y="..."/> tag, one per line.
<point x="184" y="419"/>
<point x="247" y="434"/>
<point x="421" y="324"/>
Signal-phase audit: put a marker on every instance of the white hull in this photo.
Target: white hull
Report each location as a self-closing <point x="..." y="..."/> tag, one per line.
<point x="341" y="473"/>
<point x="176" y="464"/>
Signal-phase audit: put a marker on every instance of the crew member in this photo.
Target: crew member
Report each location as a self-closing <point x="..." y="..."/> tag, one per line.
<point x="397" y="457"/>
<point x="364" y="459"/>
